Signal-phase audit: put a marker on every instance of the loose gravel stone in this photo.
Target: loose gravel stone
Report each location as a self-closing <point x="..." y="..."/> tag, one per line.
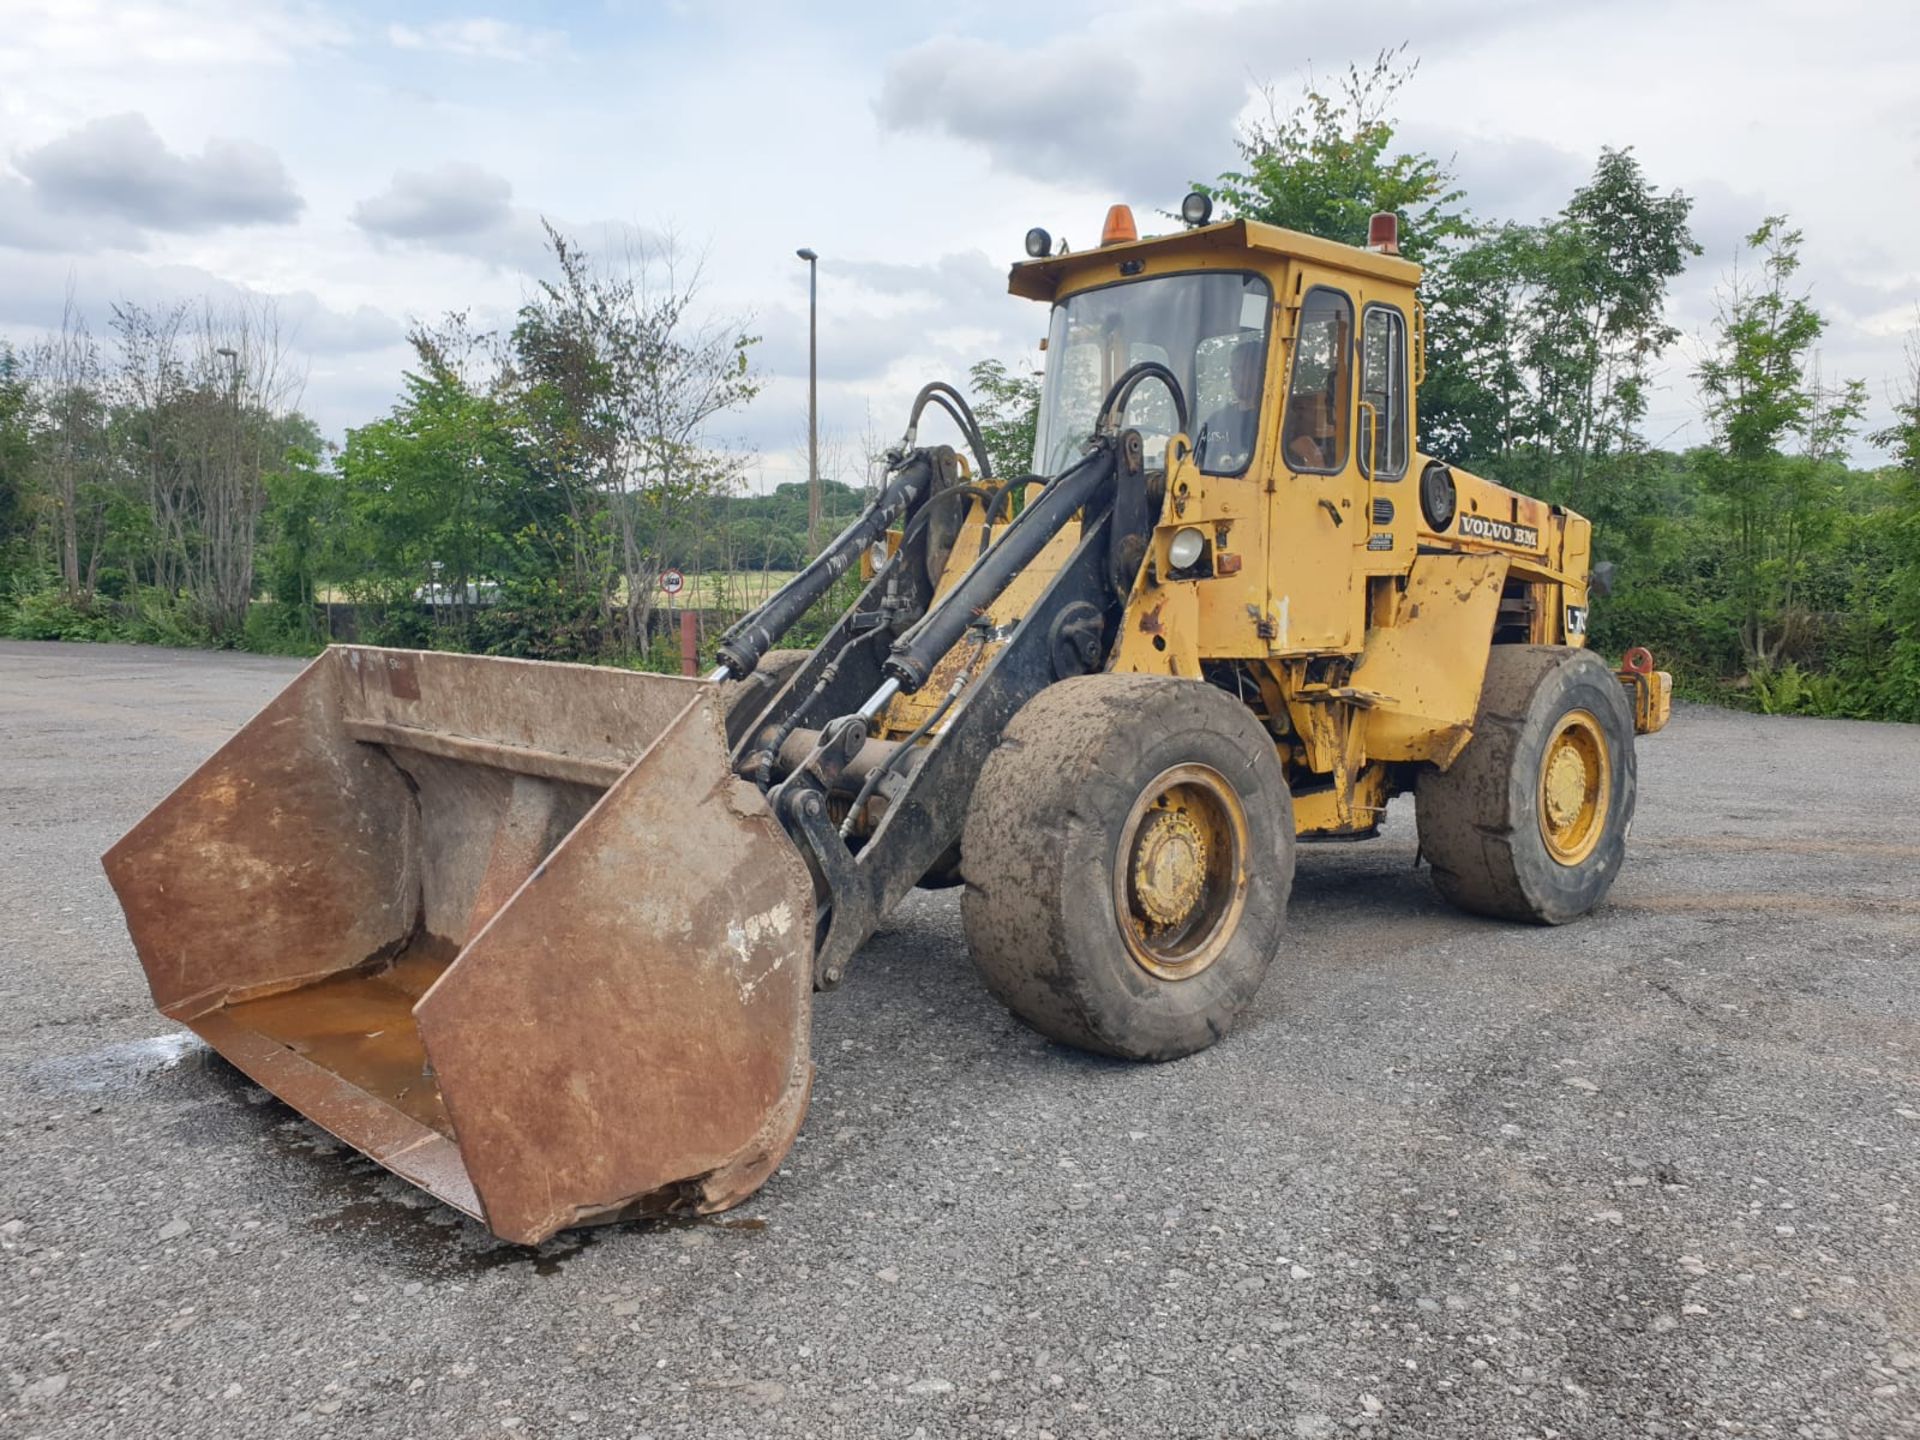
<point x="1387" y="1140"/>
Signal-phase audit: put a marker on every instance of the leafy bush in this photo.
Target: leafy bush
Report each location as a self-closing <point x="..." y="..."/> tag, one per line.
<point x="49" y="615"/>
<point x="540" y="620"/>
<point x="1789" y="690"/>
<point x="154" y="617"/>
<point x="274" y="628"/>
<point x="406" y="627"/>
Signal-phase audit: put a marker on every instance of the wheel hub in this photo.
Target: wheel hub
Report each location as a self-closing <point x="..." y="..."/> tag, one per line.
<point x="1566" y="786"/>
<point x="1180" y="871"/>
<point x="1169" y="867"/>
<point x="1576" y="788"/>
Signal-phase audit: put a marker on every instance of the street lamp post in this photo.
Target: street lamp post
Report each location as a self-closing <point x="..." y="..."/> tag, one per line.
<point x="813" y="400"/>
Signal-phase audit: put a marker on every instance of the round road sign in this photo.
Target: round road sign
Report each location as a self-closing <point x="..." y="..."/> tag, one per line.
<point x="672" y="581"/>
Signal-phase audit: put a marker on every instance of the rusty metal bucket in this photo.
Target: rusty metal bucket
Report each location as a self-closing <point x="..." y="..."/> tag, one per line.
<point x="513" y="929"/>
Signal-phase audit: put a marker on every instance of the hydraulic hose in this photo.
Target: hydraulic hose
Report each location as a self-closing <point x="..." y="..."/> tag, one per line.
<point x="955" y="404"/>
<point x="915" y="653"/>
<point x="759" y="630"/>
<point x="1115" y="407"/>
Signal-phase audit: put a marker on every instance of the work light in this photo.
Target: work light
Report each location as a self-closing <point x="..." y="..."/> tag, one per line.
<point x="1186" y="548"/>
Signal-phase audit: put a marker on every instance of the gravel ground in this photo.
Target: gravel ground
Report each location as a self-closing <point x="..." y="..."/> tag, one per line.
<point x="1650" y="1174"/>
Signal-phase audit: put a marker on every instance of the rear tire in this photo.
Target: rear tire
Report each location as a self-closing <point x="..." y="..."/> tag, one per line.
<point x="1127" y="857"/>
<point x="1530" y="822"/>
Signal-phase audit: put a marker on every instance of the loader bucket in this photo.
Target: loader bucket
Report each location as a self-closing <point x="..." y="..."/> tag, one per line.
<point x="513" y="929"/>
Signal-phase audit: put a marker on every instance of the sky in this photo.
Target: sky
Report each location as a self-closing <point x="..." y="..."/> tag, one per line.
<point x="366" y="165"/>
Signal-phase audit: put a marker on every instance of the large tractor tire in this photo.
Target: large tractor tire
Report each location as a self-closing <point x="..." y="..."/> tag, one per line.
<point x="1127" y="858"/>
<point x="1530" y="822"/>
<point x="755" y="692"/>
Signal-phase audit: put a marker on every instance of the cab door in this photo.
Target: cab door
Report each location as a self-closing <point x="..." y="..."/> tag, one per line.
<point x="1317" y="499"/>
<point x="1383" y="430"/>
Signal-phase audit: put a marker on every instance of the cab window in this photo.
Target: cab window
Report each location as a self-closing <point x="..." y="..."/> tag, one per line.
<point x="1319" y="396"/>
<point x="1383" y="385"/>
<point x="1209" y="328"/>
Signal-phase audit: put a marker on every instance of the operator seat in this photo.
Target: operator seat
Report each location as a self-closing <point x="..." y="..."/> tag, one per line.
<point x="1310" y="432"/>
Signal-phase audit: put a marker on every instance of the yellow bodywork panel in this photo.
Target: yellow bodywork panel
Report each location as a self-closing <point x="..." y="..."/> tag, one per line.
<point x="1426" y="669"/>
<point x="907" y="711"/>
<point x="1160" y="632"/>
<point x="1353" y="809"/>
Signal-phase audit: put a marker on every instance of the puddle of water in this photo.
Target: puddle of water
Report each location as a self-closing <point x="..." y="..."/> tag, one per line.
<point x="123" y="1066"/>
<point x="427" y="1238"/>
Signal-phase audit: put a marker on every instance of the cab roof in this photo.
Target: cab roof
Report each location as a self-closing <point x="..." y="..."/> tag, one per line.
<point x="1211" y="245"/>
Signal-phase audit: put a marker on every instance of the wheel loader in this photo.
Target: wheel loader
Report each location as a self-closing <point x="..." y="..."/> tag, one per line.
<point x="542" y="939"/>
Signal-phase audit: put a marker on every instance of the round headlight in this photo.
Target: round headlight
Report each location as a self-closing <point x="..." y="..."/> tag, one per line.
<point x="1186" y="548"/>
<point x="1039" y="243"/>
<point x="1196" y="209"/>
<point x="1438" y="498"/>
<point x="877" y="554"/>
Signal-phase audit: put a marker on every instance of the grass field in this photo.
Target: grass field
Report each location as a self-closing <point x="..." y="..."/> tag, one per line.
<point x="729" y="589"/>
<point x="714" y="590"/>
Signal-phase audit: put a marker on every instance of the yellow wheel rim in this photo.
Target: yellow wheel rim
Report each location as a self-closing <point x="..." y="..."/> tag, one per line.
<point x="1576" y="787"/>
<point x="1180" y="878"/>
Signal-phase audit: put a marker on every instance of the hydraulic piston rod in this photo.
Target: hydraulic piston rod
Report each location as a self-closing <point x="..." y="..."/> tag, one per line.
<point x="915" y="653"/>
<point x="758" y="631"/>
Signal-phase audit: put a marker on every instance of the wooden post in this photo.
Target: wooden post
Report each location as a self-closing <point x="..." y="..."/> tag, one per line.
<point x="689" y="644"/>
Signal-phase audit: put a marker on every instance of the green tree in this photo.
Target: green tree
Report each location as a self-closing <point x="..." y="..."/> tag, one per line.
<point x="1764" y="398"/>
<point x="303" y="533"/>
<point x="1007" y="405"/>
<point x="18" y="483"/>
<point x="1543" y="338"/>
<point x="1610" y="257"/>
<point x="1329" y="163"/>
<point x="616" y="368"/>
<point x="432" y="490"/>
<point x="1898" y="674"/>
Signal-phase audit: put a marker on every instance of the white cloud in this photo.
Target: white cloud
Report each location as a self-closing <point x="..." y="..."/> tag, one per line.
<point x="915" y="161"/>
<point x="464" y="209"/>
<point x="66" y="38"/>
<point x="26" y="223"/>
<point x="457" y="208"/>
<point x="33" y="290"/>
<point x="117" y="168"/>
<point x="478" y="38"/>
<point x="1145" y="99"/>
<point x="452" y="202"/>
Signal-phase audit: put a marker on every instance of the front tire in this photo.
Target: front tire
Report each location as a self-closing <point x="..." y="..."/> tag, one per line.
<point x="1530" y="822"/>
<point x="1127" y="857"/>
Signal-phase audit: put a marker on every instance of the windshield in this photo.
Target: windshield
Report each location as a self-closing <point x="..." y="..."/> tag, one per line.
<point x="1209" y="329"/>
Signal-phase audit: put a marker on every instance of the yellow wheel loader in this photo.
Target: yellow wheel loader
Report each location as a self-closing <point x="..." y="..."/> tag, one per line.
<point x="542" y="939"/>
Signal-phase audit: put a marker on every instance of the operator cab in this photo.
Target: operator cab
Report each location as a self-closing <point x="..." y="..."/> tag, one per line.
<point x="1342" y="332"/>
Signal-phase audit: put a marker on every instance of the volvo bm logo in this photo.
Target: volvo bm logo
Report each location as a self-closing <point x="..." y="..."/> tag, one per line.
<point x="1479" y="527"/>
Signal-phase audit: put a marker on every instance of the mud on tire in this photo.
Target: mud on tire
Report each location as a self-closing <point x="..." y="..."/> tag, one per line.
<point x="1081" y="772"/>
<point x="1530" y="822"/>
